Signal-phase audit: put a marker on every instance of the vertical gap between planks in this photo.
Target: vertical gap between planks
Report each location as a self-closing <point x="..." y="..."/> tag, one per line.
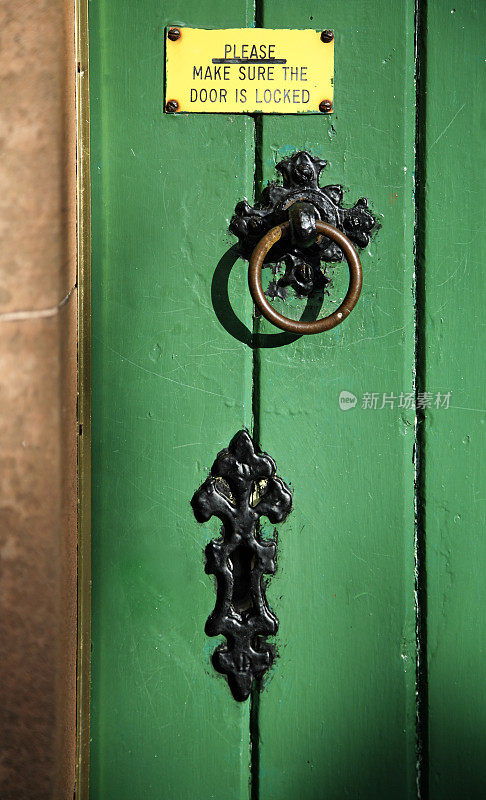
<point x="257" y="187"/>
<point x="256" y="364"/>
<point x="255" y="692"/>
<point x="422" y="766"/>
<point x="255" y="740"/>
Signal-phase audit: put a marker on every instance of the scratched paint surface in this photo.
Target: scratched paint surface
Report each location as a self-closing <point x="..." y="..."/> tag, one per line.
<point x="342" y="693"/>
<point x="455" y="476"/>
<point x="170" y="388"/>
<point x="173" y="375"/>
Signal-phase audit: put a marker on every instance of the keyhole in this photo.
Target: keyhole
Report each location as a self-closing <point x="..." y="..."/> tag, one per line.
<point x="241" y="561"/>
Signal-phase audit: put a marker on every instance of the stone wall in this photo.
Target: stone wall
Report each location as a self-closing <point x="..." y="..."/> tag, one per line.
<point x="37" y="399"/>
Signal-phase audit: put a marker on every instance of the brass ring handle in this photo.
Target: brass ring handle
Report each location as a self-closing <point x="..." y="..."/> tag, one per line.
<point x="296" y="326"/>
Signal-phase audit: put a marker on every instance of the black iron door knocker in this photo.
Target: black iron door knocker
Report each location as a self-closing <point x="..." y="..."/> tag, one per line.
<point x="302" y="224"/>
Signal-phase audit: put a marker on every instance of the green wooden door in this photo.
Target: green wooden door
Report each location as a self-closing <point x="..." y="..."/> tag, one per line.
<point x="377" y="691"/>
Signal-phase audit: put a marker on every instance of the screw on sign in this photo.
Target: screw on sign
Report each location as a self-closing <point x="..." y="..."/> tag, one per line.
<point x="325" y="106"/>
<point x="327" y="36"/>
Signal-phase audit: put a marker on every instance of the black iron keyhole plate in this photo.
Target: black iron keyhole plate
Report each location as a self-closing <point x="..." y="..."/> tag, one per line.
<point x="241" y="488"/>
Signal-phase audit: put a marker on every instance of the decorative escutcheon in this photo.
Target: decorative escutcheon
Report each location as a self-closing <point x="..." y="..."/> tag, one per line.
<point x="241" y="488"/>
<point x="302" y="224"/>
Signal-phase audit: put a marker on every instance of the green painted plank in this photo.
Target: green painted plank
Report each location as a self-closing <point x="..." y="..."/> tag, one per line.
<point x="337" y="715"/>
<point x="455" y="253"/>
<point x="170" y="388"/>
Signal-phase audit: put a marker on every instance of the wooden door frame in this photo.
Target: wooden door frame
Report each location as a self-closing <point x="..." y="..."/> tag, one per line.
<point x="83" y="191"/>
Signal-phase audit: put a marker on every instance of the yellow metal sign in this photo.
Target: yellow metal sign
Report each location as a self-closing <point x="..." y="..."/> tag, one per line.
<point x="248" y="70"/>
